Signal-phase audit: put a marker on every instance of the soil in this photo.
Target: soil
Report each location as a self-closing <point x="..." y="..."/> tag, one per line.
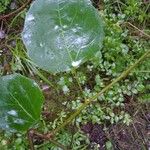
<point x="136" y="136"/>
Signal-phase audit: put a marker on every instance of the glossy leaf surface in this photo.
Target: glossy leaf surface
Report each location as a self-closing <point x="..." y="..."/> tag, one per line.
<point x="20" y="102"/>
<point x="60" y="34"/>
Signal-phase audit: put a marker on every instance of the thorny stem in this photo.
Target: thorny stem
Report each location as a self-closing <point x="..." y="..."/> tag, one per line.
<point x="76" y="113"/>
<point x="50" y="135"/>
<point x="89" y="101"/>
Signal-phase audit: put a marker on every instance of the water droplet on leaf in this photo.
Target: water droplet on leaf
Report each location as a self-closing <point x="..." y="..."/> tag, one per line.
<point x="12" y="113"/>
<point x="76" y="63"/>
<point x="30" y="17"/>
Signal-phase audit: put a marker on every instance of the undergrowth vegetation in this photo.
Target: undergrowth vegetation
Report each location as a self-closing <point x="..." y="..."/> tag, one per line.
<point x="4" y="5"/>
<point x="126" y="28"/>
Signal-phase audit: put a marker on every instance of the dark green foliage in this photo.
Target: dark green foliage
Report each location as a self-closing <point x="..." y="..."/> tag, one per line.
<point x="20" y="103"/>
<point x="4" y="5"/>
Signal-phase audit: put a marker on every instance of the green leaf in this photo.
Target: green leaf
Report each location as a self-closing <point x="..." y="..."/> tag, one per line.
<point x="61" y="34"/>
<point x="20" y="102"/>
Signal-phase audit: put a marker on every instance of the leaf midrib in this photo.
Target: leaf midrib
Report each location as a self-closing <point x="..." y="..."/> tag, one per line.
<point x="62" y="31"/>
<point x="28" y="114"/>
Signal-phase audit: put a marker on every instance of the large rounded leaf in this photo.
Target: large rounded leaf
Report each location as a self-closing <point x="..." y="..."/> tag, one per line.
<point x="59" y="34"/>
<point x="20" y="102"/>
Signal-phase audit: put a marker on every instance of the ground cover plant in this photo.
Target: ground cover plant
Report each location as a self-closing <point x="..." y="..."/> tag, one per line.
<point x="74" y="76"/>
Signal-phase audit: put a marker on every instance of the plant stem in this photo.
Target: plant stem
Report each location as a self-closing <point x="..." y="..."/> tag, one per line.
<point x="30" y="138"/>
<point x="48" y="137"/>
<point x="74" y="73"/>
<point x="76" y="113"/>
<point x="16" y="11"/>
<point x="89" y="101"/>
<point x="36" y="71"/>
<point x="148" y="36"/>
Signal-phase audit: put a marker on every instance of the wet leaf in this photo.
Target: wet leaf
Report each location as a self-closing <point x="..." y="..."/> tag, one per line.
<point x="20" y="102"/>
<point x="62" y="34"/>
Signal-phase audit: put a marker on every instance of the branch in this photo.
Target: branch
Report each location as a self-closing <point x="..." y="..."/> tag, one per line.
<point x="47" y="136"/>
<point x="16" y="11"/>
<point x="30" y="138"/>
<point x="148" y="36"/>
<point x="89" y="101"/>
